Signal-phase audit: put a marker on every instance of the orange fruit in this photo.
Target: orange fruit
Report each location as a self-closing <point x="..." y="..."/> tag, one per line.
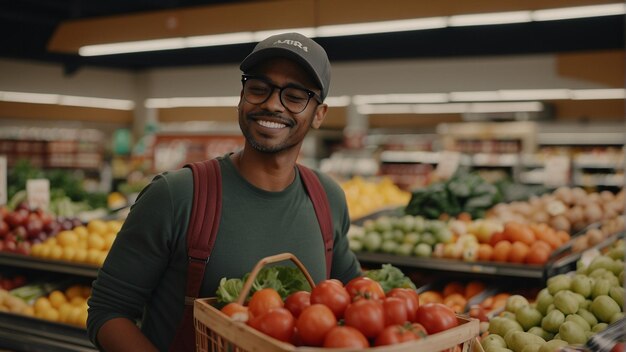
<point x="485" y="252"/>
<point x="453" y="287"/>
<point x="455" y="299"/>
<point x="538" y="255"/>
<point x="501" y="251"/>
<point x="473" y="288"/>
<point x="430" y="296"/>
<point x="514" y="231"/>
<point x="518" y="252"/>
<point x="563" y="236"/>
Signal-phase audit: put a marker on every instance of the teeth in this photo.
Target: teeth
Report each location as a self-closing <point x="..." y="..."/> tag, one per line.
<point x="270" y="124"/>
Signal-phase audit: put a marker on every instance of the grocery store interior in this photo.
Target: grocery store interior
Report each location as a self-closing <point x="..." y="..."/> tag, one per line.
<point x="480" y="145"/>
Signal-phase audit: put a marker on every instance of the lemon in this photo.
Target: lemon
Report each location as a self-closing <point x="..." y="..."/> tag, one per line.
<point x="93" y="255"/>
<point x="82" y="319"/>
<point x="44" y="251"/>
<point x="68" y="253"/>
<point x="42" y="304"/>
<point x="78" y="301"/>
<point x="35" y="250"/>
<point x="67" y="238"/>
<point x="73" y="291"/>
<point x="109" y="238"/>
<point x="28" y="311"/>
<point x="97" y="226"/>
<point x="74" y="315"/>
<point x="81" y="255"/>
<point x="86" y="292"/>
<point x="114" y="226"/>
<point x="64" y="312"/>
<point x="50" y="314"/>
<point x="56" y="252"/>
<point x="56" y="298"/>
<point x="95" y="242"/>
<point x="81" y="231"/>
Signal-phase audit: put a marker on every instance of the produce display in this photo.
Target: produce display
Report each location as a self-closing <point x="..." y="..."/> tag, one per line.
<point x="454" y="294"/>
<point x="568" y="311"/>
<point x="83" y="244"/>
<point x="567" y="209"/>
<point x="364" y="197"/>
<point x="596" y="235"/>
<point x="463" y="193"/>
<point x="23" y="227"/>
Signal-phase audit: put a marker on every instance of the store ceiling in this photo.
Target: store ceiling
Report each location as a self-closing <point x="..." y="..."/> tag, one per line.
<point x="29" y="24"/>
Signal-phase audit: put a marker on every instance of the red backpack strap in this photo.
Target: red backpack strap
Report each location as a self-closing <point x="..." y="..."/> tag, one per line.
<point x="201" y="233"/>
<point x="317" y="193"/>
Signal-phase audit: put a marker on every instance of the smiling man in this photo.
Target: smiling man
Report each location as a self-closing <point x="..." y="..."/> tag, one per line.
<point x="266" y="209"/>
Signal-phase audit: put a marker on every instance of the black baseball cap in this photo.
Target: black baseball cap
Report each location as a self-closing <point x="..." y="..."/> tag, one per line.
<point x="297" y="47"/>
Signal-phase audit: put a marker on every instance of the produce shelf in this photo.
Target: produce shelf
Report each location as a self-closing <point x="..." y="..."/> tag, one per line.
<point x="22" y="333"/>
<point x="488" y="268"/>
<point x="56" y="266"/>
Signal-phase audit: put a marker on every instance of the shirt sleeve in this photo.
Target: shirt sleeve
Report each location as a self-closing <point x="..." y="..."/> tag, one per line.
<point x="136" y="260"/>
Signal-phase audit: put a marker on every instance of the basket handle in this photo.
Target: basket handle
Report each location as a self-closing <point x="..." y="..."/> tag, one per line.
<point x="268" y="260"/>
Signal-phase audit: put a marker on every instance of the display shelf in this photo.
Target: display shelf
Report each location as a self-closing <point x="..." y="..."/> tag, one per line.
<point x="61" y="267"/>
<point x="22" y="333"/>
<point x="451" y="265"/>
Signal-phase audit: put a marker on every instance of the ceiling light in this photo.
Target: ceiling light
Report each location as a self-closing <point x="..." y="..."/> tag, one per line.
<point x="218" y="39"/>
<point x="35" y="98"/>
<point x="480" y="19"/>
<point x="338" y="101"/>
<point x="579" y="12"/>
<point x="381" y="27"/>
<point x="534" y="94"/>
<point x="69" y="100"/>
<point x="166" y="103"/>
<point x="103" y="103"/>
<point x="401" y="98"/>
<point x="475" y="96"/>
<point x="129" y="47"/>
<point x="595" y="94"/>
<point x="450" y="108"/>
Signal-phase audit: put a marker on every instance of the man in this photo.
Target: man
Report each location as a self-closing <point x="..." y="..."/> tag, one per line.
<point x="265" y="208"/>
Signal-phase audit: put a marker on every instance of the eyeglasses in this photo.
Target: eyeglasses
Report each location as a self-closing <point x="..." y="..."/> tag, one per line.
<point x="257" y="90"/>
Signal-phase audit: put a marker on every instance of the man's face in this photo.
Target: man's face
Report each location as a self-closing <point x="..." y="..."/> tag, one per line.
<point x="269" y="127"/>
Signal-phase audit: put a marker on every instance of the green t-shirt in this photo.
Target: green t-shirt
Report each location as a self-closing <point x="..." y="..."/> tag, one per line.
<point x="145" y="272"/>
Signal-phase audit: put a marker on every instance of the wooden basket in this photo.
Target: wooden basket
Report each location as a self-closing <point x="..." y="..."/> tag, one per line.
<point x="217" y="332"/>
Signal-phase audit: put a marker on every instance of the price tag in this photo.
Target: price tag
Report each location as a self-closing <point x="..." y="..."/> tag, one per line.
<point x="3" y="180"/>
<point x="38" y="193"/>
<point x="556" y="171"/>
<point x="448" y="163"/>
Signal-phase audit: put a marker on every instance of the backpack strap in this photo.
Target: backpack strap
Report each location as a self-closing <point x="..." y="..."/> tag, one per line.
<point x="204" y="221"/>
<point x="317" y="193"/>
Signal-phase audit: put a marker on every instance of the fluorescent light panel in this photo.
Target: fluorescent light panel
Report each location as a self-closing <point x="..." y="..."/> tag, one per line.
<point x="381" y="27"/>
<point x="450" y="108"/>
<point x="67" y="100"/>
<point x="579" y="12"/>
<point x="360" y="28"/>
<point x="490" y="18"/>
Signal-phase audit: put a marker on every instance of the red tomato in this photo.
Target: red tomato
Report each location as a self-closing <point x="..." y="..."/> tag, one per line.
<point x="278" y="323"/>
<point x="367" y="315"/>
<point x="345" y="336"/>
<point x="297" y="301"/>
<point x="365" y="287"/>
<point x="394" y="334"/>
<point x="436" y="317"/>
<point x="314" y="323"/>
<point x="395" y="311"/>
<point x="411" y="299"/>
<point x="331" y="295"/>
<point x="619" y="347"/>
<point x="263" y="300"/>
<point x="236" y="311"/>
